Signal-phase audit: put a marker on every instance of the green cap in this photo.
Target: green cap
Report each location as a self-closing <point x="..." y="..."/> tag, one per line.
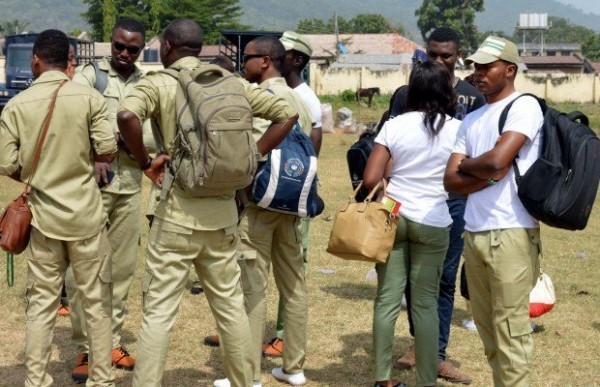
<point x="294" y="41"/>
<point x="494" y="48"/>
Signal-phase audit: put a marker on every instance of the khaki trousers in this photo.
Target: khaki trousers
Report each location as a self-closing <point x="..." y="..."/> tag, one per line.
<point x="502" y="267"/>
<point x="124" y="233"/>
<point x="172" y="249"/>
<point x="90" y="261"/>
<point x="273" y="238"/>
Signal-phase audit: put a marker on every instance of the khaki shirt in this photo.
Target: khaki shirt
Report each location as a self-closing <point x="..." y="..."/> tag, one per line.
<point x="280" y="88"/>
<point x="154" y="97"/>
<point x="128" y="176"/>
<point x="65" y="199"/>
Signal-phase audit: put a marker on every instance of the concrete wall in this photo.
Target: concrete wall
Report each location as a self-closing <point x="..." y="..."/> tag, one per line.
<point x="554" y="87"/>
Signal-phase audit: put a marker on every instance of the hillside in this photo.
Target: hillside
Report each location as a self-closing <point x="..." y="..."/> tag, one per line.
<point x="499" y="15"/>
<point x="284" y="14"/>
<point x="42" y="14"/>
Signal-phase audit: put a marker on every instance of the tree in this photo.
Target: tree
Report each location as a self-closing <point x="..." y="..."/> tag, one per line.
<point x="456" y="14"/>
<point x="13" y="27"/>
<point x="212" y="15"/>
<point x="366" y="23"/>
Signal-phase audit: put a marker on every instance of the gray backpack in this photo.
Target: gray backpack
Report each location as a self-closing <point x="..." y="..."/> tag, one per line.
<point x="214" y="152"/>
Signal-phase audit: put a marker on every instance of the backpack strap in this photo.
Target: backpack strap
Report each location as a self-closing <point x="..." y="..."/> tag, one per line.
<point x="579" y="116"/>
<point x="101" y="77"/>
<point x="502" y="121"/>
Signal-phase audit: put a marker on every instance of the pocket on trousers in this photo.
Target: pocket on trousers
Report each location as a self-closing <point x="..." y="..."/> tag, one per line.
<point x="298" y="230"/>
<point x="519" y="325"/>
<point x="146" y="281"/>
<point x="434" y="236"/>
<point x="230" y="238"/>
<point x="106" y="283"/>
<point x="28" y="290"/>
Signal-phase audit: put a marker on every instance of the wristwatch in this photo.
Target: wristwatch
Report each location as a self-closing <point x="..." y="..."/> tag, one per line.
<point x="148" y="164"/>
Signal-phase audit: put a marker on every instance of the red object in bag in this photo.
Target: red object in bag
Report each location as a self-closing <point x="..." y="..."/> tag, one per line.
<point x="542" y="297"/>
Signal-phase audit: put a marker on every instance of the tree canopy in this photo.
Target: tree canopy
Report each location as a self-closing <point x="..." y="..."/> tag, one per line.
<point x="366" y="23"/>
<point x="456" y="14"/>
<point x="212" y="15"/>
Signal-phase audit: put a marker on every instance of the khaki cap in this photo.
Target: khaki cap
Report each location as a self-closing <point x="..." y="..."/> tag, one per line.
<point x="294" y="41"/>
<point x="494" y="48"/>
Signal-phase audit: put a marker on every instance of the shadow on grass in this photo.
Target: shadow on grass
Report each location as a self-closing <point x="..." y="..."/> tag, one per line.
<point x="353" y="365"/>
<point x="596" y="326"/>
<point x="352" y="291"/>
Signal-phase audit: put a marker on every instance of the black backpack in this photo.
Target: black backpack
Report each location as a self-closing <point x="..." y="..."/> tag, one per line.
<point x="560" y="187"/>
<point x="357" y="157"/>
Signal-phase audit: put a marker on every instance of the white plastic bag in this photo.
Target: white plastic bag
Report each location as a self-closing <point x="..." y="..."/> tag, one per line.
<point x="542" y="297"/>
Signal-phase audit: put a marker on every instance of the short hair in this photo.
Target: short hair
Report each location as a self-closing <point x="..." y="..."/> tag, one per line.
<point x="52" y="47"/>
<point x="430" y="90"/>
<point x="184" y="33"/>
<point x="224" y="62"/>
<point x="130" y="25"/>
<point x="444" y="34"/>
<point x="271" y="46"/>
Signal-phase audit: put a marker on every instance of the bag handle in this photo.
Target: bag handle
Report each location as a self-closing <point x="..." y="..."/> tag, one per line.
<point x="373" y="191"/>
<point x="40" y="144"/>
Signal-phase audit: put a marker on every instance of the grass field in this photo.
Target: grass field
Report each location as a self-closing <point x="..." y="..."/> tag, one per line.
<point x="567" y="352"/>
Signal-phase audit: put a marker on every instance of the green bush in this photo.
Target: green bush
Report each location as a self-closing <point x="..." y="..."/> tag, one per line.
<point x="348" y="95"/>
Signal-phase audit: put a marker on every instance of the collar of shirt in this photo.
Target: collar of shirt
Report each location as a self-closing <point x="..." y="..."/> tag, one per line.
<point x="50" y="77"/>
<point x="105" y="65"/>
<point x="188" y="62"/>
<point x="273" y="81"/>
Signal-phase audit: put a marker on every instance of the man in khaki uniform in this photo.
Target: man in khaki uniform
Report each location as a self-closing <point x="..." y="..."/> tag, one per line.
<point x="199" y="231"/>
<point x="273" y="238"/>
<point x="115" y="78"/>
<point x="297" y="56"/>
<point x="68" y="220"/>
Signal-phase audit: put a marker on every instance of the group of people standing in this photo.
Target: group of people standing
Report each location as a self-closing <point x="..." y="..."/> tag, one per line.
<point x="450" y="169"/>
<point x="90" y="236"/>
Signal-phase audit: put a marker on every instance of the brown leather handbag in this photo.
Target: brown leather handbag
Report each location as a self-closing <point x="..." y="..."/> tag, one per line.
<point x="15" y="222"/>
<point x="363" y="231"/>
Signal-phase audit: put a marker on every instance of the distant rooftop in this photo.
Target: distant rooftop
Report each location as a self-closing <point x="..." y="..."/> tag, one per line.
<point x="372" y="44"/>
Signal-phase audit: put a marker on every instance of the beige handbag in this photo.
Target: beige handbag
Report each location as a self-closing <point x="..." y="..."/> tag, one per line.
<point x="363" y="231"/>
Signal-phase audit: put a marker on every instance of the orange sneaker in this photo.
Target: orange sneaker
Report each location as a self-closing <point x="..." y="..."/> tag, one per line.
<point x="273" y="348"/>
<point x="80" y="372"/>
<point x="63" y="310"/>
<point x="122" y="359"/>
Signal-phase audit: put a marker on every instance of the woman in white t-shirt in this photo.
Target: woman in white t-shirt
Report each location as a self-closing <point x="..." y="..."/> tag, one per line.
<point x="418" y="143"/>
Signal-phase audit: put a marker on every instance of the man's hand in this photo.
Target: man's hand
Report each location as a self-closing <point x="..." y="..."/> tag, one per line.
<point x="156" y="172"/>
<point x="101" y="171"/>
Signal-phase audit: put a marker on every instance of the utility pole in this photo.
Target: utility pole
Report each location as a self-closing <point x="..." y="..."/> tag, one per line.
<point x="337" y="36"/>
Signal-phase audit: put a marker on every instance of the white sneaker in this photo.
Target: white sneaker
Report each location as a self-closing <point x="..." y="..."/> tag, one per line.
<point x="225" y="383"/>
<point x="294" y="379"/>
<point x="222" y="383"/>
<point x="470" y="325"/>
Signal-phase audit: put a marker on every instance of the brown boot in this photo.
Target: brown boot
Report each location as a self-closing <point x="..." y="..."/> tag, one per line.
<point x="80" y="372"/>
<point x="449" y="372"/>
<point x="407" y="361"/>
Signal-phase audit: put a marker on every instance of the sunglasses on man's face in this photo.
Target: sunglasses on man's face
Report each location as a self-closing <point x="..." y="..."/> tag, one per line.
<point x="246" y="57"/>
<point x="133" y="50"/>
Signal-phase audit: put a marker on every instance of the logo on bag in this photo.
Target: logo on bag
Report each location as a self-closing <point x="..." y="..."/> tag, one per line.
<point x="293" y="167"/>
